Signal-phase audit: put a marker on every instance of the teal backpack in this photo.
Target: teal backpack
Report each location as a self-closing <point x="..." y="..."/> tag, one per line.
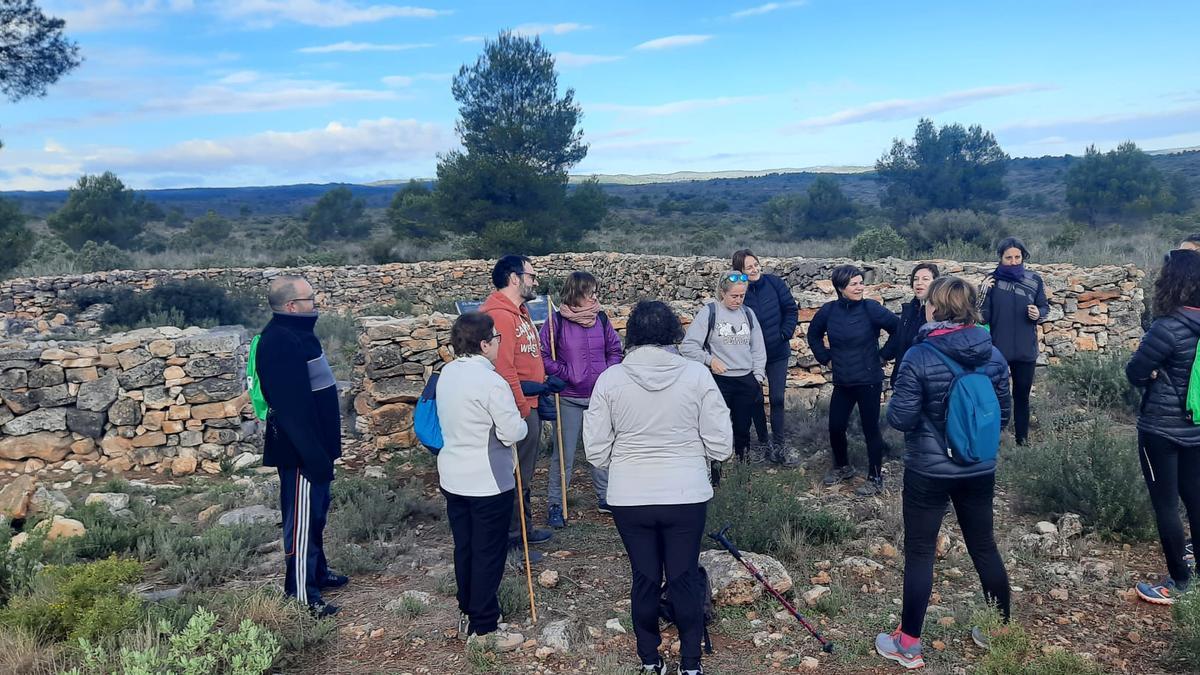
<point x="972" y="413"/>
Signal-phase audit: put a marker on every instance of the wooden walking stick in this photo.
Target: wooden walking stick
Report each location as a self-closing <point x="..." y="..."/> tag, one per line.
<point x="562" y="462"/>
<point x="524" y="534"/>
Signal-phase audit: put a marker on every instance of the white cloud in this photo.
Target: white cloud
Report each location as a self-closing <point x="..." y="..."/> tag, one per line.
<point x="672" y="41"/>
<point x="362" y="47"/>
<point x="273" y="95"/>
<point x="674" y="107"/>
<point x="532" y="29"/>
<point x="471" y="38"/>
<point x="767" y="8"/>
<point x="896" y="109"/>
<point x="1138" y="125"/>
<point x="95" y="15"/>
<point x="384" y="141"/>
<point x="571" y="60"/>
<point x="241" y="77"/>
<point x="323" y="13"/>
<point x="401" y="81"/>
<point x="53" y="146"/>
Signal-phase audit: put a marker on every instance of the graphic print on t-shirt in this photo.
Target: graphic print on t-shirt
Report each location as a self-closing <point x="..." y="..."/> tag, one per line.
<point x="733" y="334"/>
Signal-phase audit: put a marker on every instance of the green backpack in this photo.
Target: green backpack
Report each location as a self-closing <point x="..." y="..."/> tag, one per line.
<point x="1193" y="391"/>
<point x="253" y="385"/>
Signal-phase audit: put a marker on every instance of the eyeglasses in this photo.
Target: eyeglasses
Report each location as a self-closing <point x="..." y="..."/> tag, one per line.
<point x="312" y="300"/>
<point x="738" y="277"/>
<point x="531" y="275"/>
<point x="495" y="337"/>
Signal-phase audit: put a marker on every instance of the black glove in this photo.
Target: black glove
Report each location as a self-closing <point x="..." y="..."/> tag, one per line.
<point x="530" y="388"/>
<point x="554" y="384"/>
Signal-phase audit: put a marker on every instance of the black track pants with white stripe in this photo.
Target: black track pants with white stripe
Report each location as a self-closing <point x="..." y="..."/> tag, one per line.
<point x="305" y="506"/>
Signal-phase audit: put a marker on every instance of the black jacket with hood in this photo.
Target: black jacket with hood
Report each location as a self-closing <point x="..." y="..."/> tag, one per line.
<point x="1168" y="349"/>
<point x="918" y="404"/>
<point x="1004" y="309"/>
<point x="853" y="329"/>
<point x="304" y="423"/>
<point x="912" y="317"/>
<point x="776" y="311"/>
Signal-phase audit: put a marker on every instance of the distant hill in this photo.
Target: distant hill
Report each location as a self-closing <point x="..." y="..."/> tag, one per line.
<point x="1035" y="183"/>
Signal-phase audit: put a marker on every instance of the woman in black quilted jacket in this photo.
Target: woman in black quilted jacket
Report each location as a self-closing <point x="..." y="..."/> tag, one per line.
<point x="852" y="324"/>
<point x="1013" y="304"/>
<point x="1168" y="438"/>
<point x="931" y="478"/>
<point x="775" y="308"/>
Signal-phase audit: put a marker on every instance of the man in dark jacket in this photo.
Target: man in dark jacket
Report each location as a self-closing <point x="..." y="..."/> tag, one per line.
<point x="303" y="435"/>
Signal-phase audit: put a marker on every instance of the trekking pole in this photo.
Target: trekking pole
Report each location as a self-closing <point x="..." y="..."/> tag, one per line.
<point x="524" y="535"/>
<point x="722" y="539"/>
<point x="562" y="462"/>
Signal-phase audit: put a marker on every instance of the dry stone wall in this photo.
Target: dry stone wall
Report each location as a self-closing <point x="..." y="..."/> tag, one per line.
<point x="162" y="399"/>
<point x="1096" y="309"/>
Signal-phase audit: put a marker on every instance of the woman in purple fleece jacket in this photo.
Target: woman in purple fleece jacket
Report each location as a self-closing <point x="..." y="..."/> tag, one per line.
<point x="585" y="344"/>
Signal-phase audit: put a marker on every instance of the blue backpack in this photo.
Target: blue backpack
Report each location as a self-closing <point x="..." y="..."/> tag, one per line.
<point x="972" y="414"/>
<point x="425" y="417"/>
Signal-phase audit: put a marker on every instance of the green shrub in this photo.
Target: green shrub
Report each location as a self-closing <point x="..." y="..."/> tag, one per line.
<point x="1186" y="612"/>
<point x="876" y="243"/>
<point x="219" y="553"/>
<point x="1096" y="380"/>
<point x="16" y="241"/>
<point x="777" y="520"/>
<point x="1090" y="469"/>
<point x="513" y="595"/>
<point x="201" y="647"/>
<point x="209" y="229"/>
<point x="101" y="257"/>
<point x="366" y="509"/>
<point x="108" y="534"/>
<point x="77" y="601"/>
<point x="1012" y="652"/>
<point x="942" y="226"/>
<point x="19" y="567"/>
<point x="193" y="302"/>
<point x="338" y="332"/>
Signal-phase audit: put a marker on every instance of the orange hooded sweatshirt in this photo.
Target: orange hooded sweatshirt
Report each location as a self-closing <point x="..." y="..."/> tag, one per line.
<point x="520" y="357"/>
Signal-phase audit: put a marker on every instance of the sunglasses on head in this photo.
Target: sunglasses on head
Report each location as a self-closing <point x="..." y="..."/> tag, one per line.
<point x="738" y="277"/>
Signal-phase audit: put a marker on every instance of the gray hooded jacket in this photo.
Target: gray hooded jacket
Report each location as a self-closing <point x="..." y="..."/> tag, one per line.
<point x="655" y="422"/>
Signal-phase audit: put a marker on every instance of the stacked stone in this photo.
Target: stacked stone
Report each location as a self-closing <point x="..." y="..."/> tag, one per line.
<point x="1090" y="310"/>
<point x="162" y="399"/>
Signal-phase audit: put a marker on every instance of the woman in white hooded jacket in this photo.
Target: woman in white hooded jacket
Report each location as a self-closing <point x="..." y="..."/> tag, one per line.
<point x="656" y="421"/>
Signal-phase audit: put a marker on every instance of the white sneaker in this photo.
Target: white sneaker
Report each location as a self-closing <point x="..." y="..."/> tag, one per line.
<point x="500" y="641"/>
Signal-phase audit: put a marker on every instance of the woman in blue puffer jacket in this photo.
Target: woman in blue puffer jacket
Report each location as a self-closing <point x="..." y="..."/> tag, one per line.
<point x="931" y="478"/>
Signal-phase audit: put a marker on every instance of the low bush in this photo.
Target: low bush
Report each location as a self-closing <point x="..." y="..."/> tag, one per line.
<point x="1012" y="652"/>
<point x="219" y="553"/>
<point x="876" y="243"/>
<point x="101" y="257"/>
<point x="766" y="514"/>
<point x="1186" y="612"/>
<point x="338" y="332"/>
<point x="201" y="647"/>
<point x="193" y="302"/>
<point x="1090" y="469"/>
<point x="1096" y="380"/>
<point x="366" y="509"/>
<point x="19" y="567"/>
<point x="77" y="601"/>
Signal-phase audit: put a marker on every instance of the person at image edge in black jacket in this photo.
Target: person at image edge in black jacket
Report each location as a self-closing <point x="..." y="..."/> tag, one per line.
<point x="1168" y="438"/>
<point x="912" y="316"/>
<point x="852" y="324"/>
<point x="303" y="435"/>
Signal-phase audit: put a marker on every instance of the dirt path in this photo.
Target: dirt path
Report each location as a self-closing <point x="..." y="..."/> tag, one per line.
<point x="1078" y="603"/>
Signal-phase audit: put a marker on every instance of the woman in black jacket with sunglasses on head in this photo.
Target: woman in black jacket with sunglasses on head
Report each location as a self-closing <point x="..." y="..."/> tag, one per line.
<point x="852" y="324"/>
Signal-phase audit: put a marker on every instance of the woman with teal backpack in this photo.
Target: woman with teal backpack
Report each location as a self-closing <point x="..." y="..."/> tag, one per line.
<point x="1168" y="421"/>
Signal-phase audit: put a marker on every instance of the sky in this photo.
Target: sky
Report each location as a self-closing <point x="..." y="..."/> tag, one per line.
<point x="181" y="93"/>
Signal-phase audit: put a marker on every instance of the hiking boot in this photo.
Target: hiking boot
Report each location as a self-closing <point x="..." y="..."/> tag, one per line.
<point x="535" y="536"/>
<point x="498" y="641"/>
<point x="659" y="668"/>
<point x="514" y="552"/>
<point x="757" y="453"/>
<point x="1162" y="593"/>
<point x="333" y="580"/>
<point x="838" y="474"/>
<point x="870" y="488"/>
<point x="602" y="507"/>
<point x="887" y="645"/>
<point x="323" y="609"/>
<point x="786" y="455"/>
<point x="555" y="518"/>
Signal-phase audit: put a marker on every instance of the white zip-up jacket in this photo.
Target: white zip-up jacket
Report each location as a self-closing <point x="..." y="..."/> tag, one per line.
<point x="480" y="422"/>
<point x="655" y="422"/>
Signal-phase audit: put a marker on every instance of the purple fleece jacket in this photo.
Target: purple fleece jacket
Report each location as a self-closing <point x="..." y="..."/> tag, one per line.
<point x="583" y="353"/>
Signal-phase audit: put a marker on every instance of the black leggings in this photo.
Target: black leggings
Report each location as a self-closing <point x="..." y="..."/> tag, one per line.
<point x="665" y="539"/>
<point x="841" y="402"/>
<point x="741" y="394"/>
<point x="776" y="386"/>
<point x="1172" y="473"/>
<point x="1022" y="384"/>
<point x="924" y="507"/>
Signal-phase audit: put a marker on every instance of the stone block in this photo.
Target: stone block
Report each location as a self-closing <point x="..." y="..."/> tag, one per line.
<point x="46" y="376"/>
<point x="44" y="445"/>
<point x="133" y="358"/>
<point x="144" y="375"/>
<point x="44" y="419"/>
<point x="151" y="439"/>
<point x="223" y="340"/>
<point x="126" y="412"/>
<point x="80" y="375"/>
<point x="98" y="394"/>
<point x="85" y="422"/>
<point x="210" y="366"/>
<point x="212" y="389"/>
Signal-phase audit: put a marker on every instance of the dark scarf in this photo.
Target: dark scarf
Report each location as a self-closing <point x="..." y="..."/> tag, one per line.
<point x="1013" y="273"/>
